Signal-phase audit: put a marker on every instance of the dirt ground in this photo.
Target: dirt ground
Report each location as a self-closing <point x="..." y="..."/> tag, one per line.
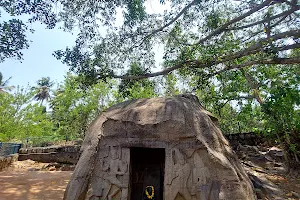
<point x="29" y="180"/>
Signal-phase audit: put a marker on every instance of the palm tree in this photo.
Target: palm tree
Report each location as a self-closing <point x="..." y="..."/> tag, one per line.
<point x="3" y="84"/>
<point x="43" y="89"/>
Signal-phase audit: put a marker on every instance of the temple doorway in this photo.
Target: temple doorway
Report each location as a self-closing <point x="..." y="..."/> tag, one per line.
<point x="147" y="169"/>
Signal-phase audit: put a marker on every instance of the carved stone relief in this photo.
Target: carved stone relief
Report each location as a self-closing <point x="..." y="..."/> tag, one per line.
<point x="110" y="178"/>
<point x="205" y="186"/>
<point x="177" y="176"/>
<point x="188" y="176"/>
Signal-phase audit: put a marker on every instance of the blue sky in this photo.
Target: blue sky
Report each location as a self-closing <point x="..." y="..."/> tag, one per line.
<point x="38" y="60"/>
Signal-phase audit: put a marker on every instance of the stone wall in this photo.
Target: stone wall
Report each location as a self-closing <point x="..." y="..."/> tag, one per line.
<point x="60" y="154"/>
<point x="250" y="138"/>
<point x="5" y="161"/>
<point x="70" y="154"/>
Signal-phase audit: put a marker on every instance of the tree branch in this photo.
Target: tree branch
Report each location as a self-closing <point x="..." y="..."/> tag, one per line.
<point x="223" y="27"/>
<point x="234" y="99"/>
<point x="162" y="72"/>
<point x="163" y="27"/>
<point x="228" y="57"/>
<point x="259" y="44"/>
<point x="253" y="85"/>
<point x="242" y="97"/>
<point x="286" y="13"/>
<point x="292" y="3"/>
<point x="258" y="32"/>
<point x="292" y="60"/>
<point x="198" y="64"/>
<point x="292" y="46"/>
<point x="174" y="19"/>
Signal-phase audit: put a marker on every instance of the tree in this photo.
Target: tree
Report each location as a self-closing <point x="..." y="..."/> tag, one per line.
<point x="20" y="119"/>
<point x="258" y="99"/>
<point x="13" y="32"/>
<point x="237" y="56"/>
<point x="74" y="108"/>
<point x="43" y="89"/>
<point x="204" y="38"/>
<point x="130" y="89"/>
<point x="3" y="84"/>
<point x="230" y="52"/>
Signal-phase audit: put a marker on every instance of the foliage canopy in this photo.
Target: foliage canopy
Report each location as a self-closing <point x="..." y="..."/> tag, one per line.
<point x="203" y="38"/>
<point x="240" y="57"/>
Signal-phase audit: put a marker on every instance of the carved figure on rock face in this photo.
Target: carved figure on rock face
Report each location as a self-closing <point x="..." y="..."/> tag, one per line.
<point x="113" y="167"/>
<point x="204" y="185"/>
<point x="180" y="174"/>
<point x="99" y="186"/>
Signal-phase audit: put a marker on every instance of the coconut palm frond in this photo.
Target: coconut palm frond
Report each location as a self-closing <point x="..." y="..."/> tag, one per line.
<point x="43" y="89"/>
<point x="4" y="84"/>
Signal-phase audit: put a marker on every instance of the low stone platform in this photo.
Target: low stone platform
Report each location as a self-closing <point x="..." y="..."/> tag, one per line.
<point x="59" y="154"/>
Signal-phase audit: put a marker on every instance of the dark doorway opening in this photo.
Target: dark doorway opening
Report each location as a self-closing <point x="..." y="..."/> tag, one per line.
<point x="147" y="169"/>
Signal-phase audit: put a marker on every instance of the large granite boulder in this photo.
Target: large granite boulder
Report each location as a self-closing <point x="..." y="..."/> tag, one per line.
<point x="184" y="151"/>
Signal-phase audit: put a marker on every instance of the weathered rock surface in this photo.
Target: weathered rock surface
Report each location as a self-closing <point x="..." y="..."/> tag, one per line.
<point x="199" y="163"/>
<point x="268" y="172"/>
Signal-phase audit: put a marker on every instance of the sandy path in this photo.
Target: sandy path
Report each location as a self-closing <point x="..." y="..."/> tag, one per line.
<point x="33" y="185"/>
